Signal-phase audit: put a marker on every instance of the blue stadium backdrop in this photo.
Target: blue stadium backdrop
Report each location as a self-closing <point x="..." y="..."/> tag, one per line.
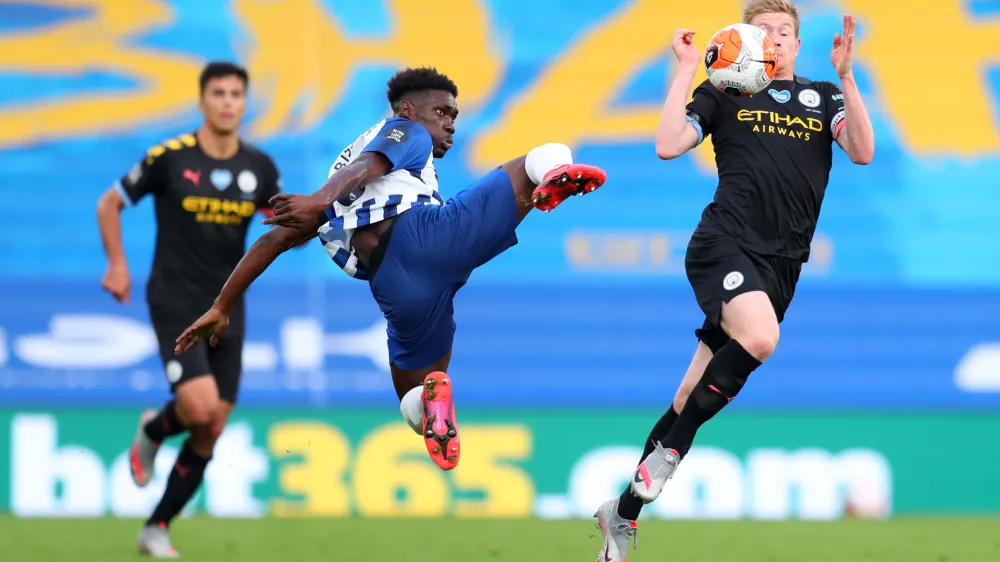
<point x="892" y="341"/>
<point x="900" y="306"/>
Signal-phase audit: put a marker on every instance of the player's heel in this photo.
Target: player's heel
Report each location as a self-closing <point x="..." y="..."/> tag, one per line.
<point x="440" y="429"/>
<point x="564" y="181"/>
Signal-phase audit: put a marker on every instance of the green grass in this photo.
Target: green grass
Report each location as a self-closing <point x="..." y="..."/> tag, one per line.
<point x="451" y="540"/>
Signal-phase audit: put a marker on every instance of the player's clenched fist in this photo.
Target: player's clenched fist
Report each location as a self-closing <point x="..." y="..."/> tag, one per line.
<point x="684" y="47"/>
<point x="117" y="282"/>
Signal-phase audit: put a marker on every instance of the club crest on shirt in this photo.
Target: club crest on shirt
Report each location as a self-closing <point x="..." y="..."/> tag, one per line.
<point x="221" y="179"/>
<point x="247" y="181"/>
<point x="809" y="98"/>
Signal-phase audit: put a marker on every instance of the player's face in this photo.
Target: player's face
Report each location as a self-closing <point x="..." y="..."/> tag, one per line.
<point x="781" y="28"/>
<point x="224" y="103"/>
<point x="437" y="110"/>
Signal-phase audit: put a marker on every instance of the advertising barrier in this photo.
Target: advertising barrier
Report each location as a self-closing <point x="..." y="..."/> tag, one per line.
<point x="549" y="465"/>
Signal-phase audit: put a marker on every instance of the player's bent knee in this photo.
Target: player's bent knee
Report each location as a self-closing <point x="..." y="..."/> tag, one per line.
<point x="213" y="430"/>
<point x="197" y="401"/>
<point x="197" y="410"/>
<point x="196" y="415"/>
<point x="219" y="421"/>
<point x="760" y="343"/>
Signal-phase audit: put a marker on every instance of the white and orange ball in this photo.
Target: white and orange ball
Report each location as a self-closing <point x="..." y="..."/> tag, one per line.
<point x="741" y="60"/>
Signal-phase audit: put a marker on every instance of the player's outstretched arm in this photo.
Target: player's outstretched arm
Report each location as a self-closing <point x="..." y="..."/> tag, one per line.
<point x="261" y="255"/>
<point x="856" y="136"/>
<point x="294" y="210"/>
<point x="676" y="135"/>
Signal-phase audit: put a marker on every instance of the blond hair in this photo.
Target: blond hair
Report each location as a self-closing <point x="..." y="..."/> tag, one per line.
<point x="757" y="7"/>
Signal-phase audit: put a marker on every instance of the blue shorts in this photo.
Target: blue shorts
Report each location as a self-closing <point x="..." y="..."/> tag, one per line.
<point x="431" y="253"/>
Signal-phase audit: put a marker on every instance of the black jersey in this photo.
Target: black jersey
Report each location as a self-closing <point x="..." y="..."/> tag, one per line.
<point x="203" y="211"/>
<point x="774" y="153"/>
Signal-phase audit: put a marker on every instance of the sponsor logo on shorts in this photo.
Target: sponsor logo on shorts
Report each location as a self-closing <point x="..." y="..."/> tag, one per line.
<point x="174" y="371"/>
<point x="732" y="281"/>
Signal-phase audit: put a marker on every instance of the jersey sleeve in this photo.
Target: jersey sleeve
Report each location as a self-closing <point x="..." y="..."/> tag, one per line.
<point x="145" y="178"/>
<point x="835" y="108"/>
<point x="271" y="186"/>
<point x="703" y="109"/>
<point x="406" y="144"/>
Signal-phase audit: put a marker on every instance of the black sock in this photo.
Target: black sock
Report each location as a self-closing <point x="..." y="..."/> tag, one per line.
<point x="183" y="482"/>
<point x="724" y="377"/>
<point x="629" y="506"/>
<point x="165" y="424"/>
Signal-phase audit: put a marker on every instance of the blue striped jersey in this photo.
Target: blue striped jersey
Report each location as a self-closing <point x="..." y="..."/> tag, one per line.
<point x="412" y="181"/>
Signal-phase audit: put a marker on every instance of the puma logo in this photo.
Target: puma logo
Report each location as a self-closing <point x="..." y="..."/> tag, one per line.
<point x="712" y="387"/>
<point x="193" y="175"/>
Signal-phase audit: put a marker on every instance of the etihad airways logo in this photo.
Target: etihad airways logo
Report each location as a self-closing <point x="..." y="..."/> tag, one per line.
<point x="773" y="123"/>
<point x="218" y="211"/>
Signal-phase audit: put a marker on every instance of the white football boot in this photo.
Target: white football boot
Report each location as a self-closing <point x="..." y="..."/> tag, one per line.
<point x="653" y="473"/>
<point x="616" y="532"/>
<point x="154" y="541"/>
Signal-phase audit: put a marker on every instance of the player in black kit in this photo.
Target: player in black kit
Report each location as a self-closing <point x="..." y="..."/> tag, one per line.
<point x="774" y="154"/>
<point x="206" y="187"/>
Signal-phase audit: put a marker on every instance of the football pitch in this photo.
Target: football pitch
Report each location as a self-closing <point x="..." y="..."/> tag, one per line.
<point x="465" y="540"/>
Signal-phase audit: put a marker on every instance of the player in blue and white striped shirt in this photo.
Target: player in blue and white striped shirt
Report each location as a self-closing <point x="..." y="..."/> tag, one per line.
<point x="381" y="218"/>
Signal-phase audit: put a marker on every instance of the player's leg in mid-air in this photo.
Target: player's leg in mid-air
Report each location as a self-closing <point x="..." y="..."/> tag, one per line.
<point x="617" y="518"/>
<point x="744" y="298"/>
<point x="428" y="254"/>
<point x="205" y="383"/>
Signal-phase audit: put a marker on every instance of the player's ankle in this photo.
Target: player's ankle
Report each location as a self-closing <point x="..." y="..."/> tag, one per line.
<point x="412" y="408"/>
<point x="541" y="159"/>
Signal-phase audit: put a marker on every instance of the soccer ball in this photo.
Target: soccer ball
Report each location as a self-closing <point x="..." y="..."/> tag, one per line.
<point x="741" y="60"/>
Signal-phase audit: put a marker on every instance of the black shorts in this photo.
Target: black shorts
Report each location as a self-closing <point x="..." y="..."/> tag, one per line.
<point x="223" y="362"/>
<point x="719" y="270"/>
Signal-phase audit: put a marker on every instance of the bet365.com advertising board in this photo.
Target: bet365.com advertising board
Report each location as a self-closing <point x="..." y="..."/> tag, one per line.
<point x="552" y="465"/>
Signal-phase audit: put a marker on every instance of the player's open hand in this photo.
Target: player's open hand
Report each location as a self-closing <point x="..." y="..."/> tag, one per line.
<point x="116" y="281"/>
<point x="684" y="48"/>
<point x="294" y="210"/>
<point x="211" y="325"/>
<point x="843" y="48"/>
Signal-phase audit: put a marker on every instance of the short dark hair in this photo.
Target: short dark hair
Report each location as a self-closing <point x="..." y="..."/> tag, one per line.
<point x="417" y="79"/>
<point x="218" y="69"/>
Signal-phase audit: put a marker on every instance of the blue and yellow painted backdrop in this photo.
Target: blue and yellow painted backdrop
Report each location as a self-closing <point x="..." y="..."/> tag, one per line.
<point x="906" y="252"/>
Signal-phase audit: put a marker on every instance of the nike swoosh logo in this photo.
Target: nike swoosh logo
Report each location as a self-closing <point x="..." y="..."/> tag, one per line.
<point x="607" y="558"/>
<point x="636" y="478"/>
